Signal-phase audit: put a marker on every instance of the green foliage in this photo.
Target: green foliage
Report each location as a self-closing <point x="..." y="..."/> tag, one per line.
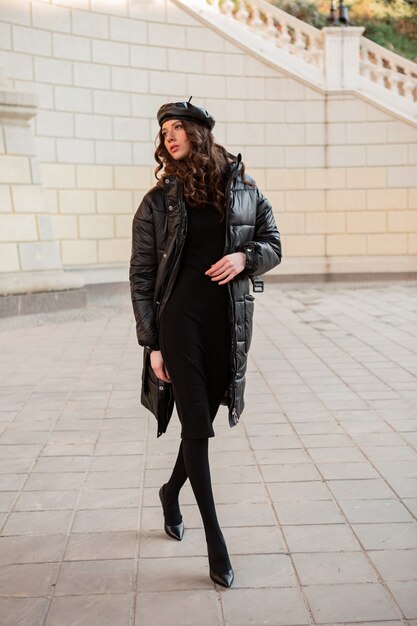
<point x="303" y="9"/>
<point x="390" y="23"/>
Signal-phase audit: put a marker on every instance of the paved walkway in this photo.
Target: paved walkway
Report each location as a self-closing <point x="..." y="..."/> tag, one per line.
<point x="316" y="488"/>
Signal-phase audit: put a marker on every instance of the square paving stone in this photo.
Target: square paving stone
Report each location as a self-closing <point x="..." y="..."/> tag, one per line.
<point x="177" y="607"/>
<point x="358" y="511"/>
<point x="113" y="480"/>
<point x="101" y="520"/>
<point x="336" y="455"/>
<point x="271" y="457"/>
<point x="254" y="540"/>
<point x="324" y="441"/>
<point x="91" y="577"/>
<point x="329" y="427"/>
<point x="275" y="607"/>
<point x="7" y="499"/>
<point x="22" y="451"/>
<point x="395" y="565"/>
<point x="404" y="487"/>
<point x="387" y="536"/>
<point x="11" y="467"/>
<point x="397" y="469"/>
<point x="54" y="482"/>
<point x="22" y="611"/>
<point x="268" y="430"/>
<point x="350" y="603"/>
<point x="411" y="505"/>
<point x="46" y="500"/>
<point x="390" y="453"/>
<point x="405" y="594"/>
<point x="106" y="449"/>
<point x="320" y="538"/>
<point x="104" y="545"/>
<point x="301" y="491"/>
<point x="62" y="464"/>
<point x="67" y="449"/>
<point x="109" y="498"/>
<point x="36" y="549"/>
<point x="290" y="472"/>
<point x="38" y="523"/>
<point x="128" y="462"/>
<point x="275" y="442"/>
<point x="12" y="482"/>
<point x="315" y="512"/>
<point x="93" y="610"/>
<point x="156" y="544"/>
<point x="28" y="579"/>
<point x="333" y="567"/>
<point x="262" y="571"/>
<point x="360" y="489"/>
<point x="347" y="470"/>
<point x="173" y="574"/>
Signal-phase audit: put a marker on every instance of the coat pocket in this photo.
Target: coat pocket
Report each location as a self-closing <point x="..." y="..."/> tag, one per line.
<point x="249" y="304"/>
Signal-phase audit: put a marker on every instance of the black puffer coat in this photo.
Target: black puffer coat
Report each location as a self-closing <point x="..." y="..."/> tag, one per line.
<point x="159" y="231"/>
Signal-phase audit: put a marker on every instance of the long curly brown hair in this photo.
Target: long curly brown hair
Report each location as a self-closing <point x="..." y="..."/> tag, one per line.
<point x="203" y="173"/>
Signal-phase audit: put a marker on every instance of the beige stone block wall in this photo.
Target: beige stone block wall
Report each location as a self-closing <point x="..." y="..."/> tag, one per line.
<point x="341" y="173"/>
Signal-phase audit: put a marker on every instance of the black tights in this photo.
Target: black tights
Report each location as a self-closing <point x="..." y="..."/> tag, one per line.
<point x="193" y="462"/>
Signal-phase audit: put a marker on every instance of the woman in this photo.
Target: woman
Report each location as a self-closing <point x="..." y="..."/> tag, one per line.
<point x="198" y="236"/>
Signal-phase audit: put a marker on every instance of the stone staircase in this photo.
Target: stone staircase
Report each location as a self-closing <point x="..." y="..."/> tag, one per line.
<point x="334" y="59"/>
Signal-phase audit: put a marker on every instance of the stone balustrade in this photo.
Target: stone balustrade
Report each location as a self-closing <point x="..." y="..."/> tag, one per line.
<point x="378" y="65"/>
<point x="388" y="70"/>
<point x="285" y="30"/>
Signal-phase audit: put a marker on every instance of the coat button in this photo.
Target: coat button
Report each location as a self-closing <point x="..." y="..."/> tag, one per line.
<point x="167" y="180"/>
<point x="170" y="207"/>
<point x="248" y="249"/>
<point x="161" y="388"/>
<point x="164" y="255"/>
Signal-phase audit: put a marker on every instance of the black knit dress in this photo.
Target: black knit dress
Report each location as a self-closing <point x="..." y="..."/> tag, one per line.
<point x="195" y="329"/>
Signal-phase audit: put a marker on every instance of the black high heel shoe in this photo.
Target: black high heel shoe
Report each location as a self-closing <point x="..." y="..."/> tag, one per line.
<point x="176" y="531"/>
<point x="225" y="579"/>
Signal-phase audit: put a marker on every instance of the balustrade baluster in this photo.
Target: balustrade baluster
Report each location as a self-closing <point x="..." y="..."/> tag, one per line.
<point x="242" y="14"/>
<point x="284" y="37"/>
<point x="299" y="44"/>
<point x="255" y="21"/>
<point x="408" y="87"/>
<point x="269" y="27"/>
<point x="228" y="7"/>
<point x="365" y="64"/>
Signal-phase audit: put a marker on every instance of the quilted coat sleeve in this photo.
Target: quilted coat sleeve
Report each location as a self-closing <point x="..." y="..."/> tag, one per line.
<point x="142" y="274"/>
<point x="264" y="252"/>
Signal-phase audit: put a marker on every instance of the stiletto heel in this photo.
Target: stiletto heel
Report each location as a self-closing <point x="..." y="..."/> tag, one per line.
<point x="225" y="578"/>
<point x="176" y="531"/>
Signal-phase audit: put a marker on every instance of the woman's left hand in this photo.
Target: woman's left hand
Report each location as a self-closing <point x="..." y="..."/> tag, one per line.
<point x="227" y="268"/>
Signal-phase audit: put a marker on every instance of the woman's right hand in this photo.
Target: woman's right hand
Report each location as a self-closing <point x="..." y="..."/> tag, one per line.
<point x="158" y="366"/>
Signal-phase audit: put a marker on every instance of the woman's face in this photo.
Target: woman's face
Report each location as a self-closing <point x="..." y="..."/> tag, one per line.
<point x="175" y="139"/>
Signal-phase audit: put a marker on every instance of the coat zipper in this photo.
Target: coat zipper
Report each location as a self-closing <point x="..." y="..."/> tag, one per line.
<point x="231" y="307"/>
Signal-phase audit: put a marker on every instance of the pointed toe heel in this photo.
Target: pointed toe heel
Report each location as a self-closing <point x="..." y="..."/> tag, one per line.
<point x="225" y="580"/>
<point x="175" y="531"/>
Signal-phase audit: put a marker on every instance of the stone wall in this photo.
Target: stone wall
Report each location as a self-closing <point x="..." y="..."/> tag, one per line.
<point x="340" y="172"/>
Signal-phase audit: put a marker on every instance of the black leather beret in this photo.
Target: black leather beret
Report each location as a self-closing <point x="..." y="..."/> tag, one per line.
<point x="185" y="111"/>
